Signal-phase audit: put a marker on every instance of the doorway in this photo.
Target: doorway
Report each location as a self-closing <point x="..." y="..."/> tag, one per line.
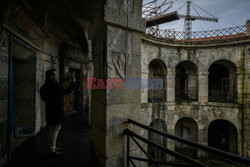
<point x="22" y="92"/>
<point x="223" y="135"/>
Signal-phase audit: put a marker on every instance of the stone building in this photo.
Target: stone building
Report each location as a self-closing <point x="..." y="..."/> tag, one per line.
<point x="107" y="40"/>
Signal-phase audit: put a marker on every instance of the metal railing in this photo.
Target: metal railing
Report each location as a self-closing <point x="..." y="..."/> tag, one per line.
<point x="156" y="95"/>
<point x="186" y="95"/>
<point x="225" y="156"/>
<point x="232" y="32"/>
<point x="222" y="96"/>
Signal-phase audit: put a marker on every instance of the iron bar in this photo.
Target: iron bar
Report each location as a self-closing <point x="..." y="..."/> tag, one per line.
<point x="132" y="163"/>
<point x="226" y="155"/>
<point x="149" y="157"/>
<point x="158" y="162"/>
<point x="167" y="151"/>
<point x="128" y="151"/>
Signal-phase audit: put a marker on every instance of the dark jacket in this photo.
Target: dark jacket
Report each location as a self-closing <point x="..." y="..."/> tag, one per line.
<point x="52" y="94"/>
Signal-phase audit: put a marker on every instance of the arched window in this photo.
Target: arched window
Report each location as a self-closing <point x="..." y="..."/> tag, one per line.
<point x="223" y="135"/>
<point x="222" y="81"/>
<point x="188" y="129"/>
<point x="157" y="81"/>
<point x="186" y="81"/>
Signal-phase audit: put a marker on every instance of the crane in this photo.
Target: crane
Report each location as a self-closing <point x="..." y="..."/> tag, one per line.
<point x="189" y="18"/>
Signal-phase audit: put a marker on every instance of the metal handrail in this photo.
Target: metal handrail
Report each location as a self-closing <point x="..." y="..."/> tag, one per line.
<point x="222" y="96"/>
<point x="225" y="33"/>
<point x="226" y="155"/>
<point x="186" y="95"/>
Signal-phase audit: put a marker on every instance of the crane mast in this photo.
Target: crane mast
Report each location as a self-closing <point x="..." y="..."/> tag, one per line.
<point x="188" y="22"/>
<point x="189" y="18"/>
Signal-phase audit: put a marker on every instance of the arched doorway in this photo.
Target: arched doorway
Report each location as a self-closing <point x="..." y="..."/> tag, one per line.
<point x="157" y="73"/>
<point x="156" y="154"/>
<point x="186" y="81"/>
<point x="73" y="66"/>
<point x="222" y="81"/>
<point x="188" y="129"/>
<point x="223" y="135"/>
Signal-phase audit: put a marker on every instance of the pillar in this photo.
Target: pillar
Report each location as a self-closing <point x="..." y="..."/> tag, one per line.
<point x="144" y="91"/>
<point x="203" y="87"/>
<point x="170" y="86"/>
<point x="116" y="55"/>
<point x="248" y="28"/>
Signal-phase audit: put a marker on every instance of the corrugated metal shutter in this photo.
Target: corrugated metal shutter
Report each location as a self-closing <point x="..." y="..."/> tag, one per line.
<point x="24" y="99"/>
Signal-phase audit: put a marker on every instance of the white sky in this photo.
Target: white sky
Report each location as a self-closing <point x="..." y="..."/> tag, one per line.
<point x="230" y="13"/>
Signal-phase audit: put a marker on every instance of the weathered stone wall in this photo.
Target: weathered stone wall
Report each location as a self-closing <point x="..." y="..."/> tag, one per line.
<point x="202" y="111"/>
<point x="116" y="53"/>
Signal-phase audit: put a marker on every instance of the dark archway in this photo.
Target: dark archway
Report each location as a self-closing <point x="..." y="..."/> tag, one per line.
<point x="223" y="135"/>
<point x="156" y="154"/>
<point x="157" y="73"/>
<point x="222" y="81"/>
<point x="188" y="129"/>
<point x="186" y="81"/>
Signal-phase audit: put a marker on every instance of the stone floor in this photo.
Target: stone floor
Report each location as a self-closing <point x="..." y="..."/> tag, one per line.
<point x="74" y="138"/>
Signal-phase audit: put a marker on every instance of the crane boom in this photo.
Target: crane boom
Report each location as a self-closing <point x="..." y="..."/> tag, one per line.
<point x="199" y="18"/>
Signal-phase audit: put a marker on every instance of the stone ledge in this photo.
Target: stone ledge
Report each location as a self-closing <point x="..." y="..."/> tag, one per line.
<point x="195" y="103"/>
<point x="211" y="43"/>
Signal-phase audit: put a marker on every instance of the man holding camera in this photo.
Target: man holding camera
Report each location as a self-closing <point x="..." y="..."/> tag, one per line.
<point x="52" y="93"/>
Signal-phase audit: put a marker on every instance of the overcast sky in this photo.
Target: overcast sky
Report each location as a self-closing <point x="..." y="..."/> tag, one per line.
<point x="230" y="13"/>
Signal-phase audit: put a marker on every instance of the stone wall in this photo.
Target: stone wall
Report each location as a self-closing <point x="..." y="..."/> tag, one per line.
<point x="116" y="53"/>
<point x="202" y="111"/>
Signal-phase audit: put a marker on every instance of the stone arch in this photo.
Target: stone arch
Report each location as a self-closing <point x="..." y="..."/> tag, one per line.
<point x="223" y="85"/>
<point x="186" y="81"/>
<point x="187" y="128"/>
<point x="157" y="81"/>
<point x="156" y="59"/>
<point x="223" y="135"/>
<point x="156" y="154"/>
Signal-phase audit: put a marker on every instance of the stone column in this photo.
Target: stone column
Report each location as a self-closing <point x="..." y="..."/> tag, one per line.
<point x="203" y="87"/>
<point x="202" y="139"/>
<point x="144" y="90"/>
<point x="243" y="84"/>
<point x="171" y="86"/>
<point x="116" y="56"/>
<point x="248" y="27"/>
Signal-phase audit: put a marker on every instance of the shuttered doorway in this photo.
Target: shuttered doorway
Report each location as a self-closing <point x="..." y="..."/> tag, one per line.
<point x="23" y="62"/>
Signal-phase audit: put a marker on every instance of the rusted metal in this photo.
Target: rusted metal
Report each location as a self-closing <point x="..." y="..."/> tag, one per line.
<point x="232" y="32"/>
<point x="153" y="9"/>
<point x="162" y="19"/>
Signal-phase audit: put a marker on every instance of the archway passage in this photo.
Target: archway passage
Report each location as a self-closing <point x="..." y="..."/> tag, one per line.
<point x="188" y="129"/>
<point x="186" y="81"/>
<point x="156" y="154"/>
<point x="223" y="135"/>
<point x="222" y="82"/>
<point x="157" y="81"/>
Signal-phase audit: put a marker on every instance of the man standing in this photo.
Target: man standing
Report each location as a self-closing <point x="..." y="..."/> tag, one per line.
<point x="52" y="94"/>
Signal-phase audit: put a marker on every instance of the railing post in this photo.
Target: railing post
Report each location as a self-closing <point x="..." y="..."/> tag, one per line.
<point x="127" y="150"/>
